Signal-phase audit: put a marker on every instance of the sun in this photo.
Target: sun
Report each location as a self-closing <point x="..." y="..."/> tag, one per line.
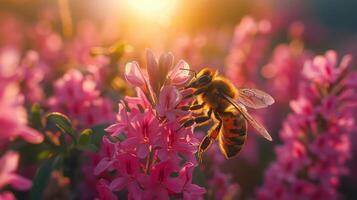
<point x="152" y="9"/>
<point x="151" y="6"/>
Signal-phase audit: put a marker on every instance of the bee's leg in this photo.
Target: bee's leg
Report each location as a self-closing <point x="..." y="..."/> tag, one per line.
<point x="209" y="138"/>
<point x="194" y="106"/>
<point x="200" y="120"/>
<point x="196" y="92"/>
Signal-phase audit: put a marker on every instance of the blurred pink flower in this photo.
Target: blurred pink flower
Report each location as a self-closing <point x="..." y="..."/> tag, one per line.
<point x="316" y="136"/>
<point x="7" y="196"/>
<point x="13" y="121"/>
<point x="250" y="40"/>
<point x="322" y="69"/>
<point x="78" y="96"/>
<point x="33" y="72"/>
<point x="222" y="187"/>
<point x="284" y="71"/>
<point x="8" y="164"/>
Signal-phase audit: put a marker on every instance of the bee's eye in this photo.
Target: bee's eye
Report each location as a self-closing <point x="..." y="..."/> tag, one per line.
<point x="200" y="81"/>
<point x="204" y="80"/>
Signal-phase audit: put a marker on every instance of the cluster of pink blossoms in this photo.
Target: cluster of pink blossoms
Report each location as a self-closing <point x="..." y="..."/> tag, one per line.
<point x="147" y="153"/>
<point x="283" y="71"/>
<point x="77" y="95"/>
<point x="250" y="40"/>
<point x="13" y="124"/>
<point x="316" y="136"/>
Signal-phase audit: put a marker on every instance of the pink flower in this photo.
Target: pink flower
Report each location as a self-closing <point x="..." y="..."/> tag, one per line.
<point x="160" y="73"/>
<point x="122" y="122"/>
<point x="149" y="146"/>
<point x="134" y="75"/>
<point x="159" y="185"/>
<point x="315" y="145"/>
<point x="145" y="133"/>
<point x="180" y="74"/>
<point x="7" y="196"/>
<point x="190" y="191"/>
<point x="249" y="43"/>
<point x="175" y="142"/>
<point x="104" y="192"/>
<point x="33" y="73"/>
<point x="8" y="165"/>
<point x="73" y="85"/>
<point x="283" y="71"/>
<point x="129" y="169"/>
<point x="78" y="96"/>
<point x="158" y="70"/>
<point x="323" y="69"/>
<point x="222" y="186"/>
<point x="14" y="118"/>
<point x="107" y="152"/>
<point x="169" y="98"/>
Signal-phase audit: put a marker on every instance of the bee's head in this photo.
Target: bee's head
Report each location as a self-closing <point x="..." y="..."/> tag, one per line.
<point x="202" y="78"/>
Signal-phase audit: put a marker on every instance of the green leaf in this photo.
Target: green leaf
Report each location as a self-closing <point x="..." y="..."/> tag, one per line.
<point x="57" y="162"/>
<point x="35" y="117"/>
<point x="88" y="147"/>
<point x="40" y="180"/>
<point x="98" y="133"/>
<point x="62" y="122"/>
<point x="85" y="141"/>
<point x="198" y="177"/>
<point x="85" y="137"/>
<point x="117" y="50"/>
<point x="44" y="155"/>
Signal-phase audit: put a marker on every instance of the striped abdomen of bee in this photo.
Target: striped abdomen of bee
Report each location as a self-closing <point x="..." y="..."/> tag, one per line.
<point x="233" y="132"/>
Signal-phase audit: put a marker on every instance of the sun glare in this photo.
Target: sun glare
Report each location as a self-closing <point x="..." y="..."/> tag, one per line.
<point x="152" y="9"/>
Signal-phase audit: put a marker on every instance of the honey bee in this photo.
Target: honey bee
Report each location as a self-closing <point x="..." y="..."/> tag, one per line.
<point x="226" y="107"/>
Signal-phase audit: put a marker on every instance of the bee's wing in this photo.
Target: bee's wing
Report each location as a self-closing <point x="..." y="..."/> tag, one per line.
<point x="254" y="98"/>
<point x="260" y="128"/>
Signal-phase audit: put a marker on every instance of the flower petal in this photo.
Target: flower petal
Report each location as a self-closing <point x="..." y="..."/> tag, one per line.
<point x="142" y="150"/>
<point x="102" y="166"/>
<point x="152" y="65"/>
<point x="7" y="196"/>
<point x="104" y="191"/>
<point x="169" y="97"/>
<point x="180" y="74"/>
<point x="118" y="184"/>
<point x="9" y="162"/>
<point x="134" y="75"/>
<point x="31" y="135"/>
<point x="174" y="184"/>
<point x="19" y="182"/>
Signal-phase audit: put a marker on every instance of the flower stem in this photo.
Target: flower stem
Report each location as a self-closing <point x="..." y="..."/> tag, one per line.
<point x="149" y="161"/>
